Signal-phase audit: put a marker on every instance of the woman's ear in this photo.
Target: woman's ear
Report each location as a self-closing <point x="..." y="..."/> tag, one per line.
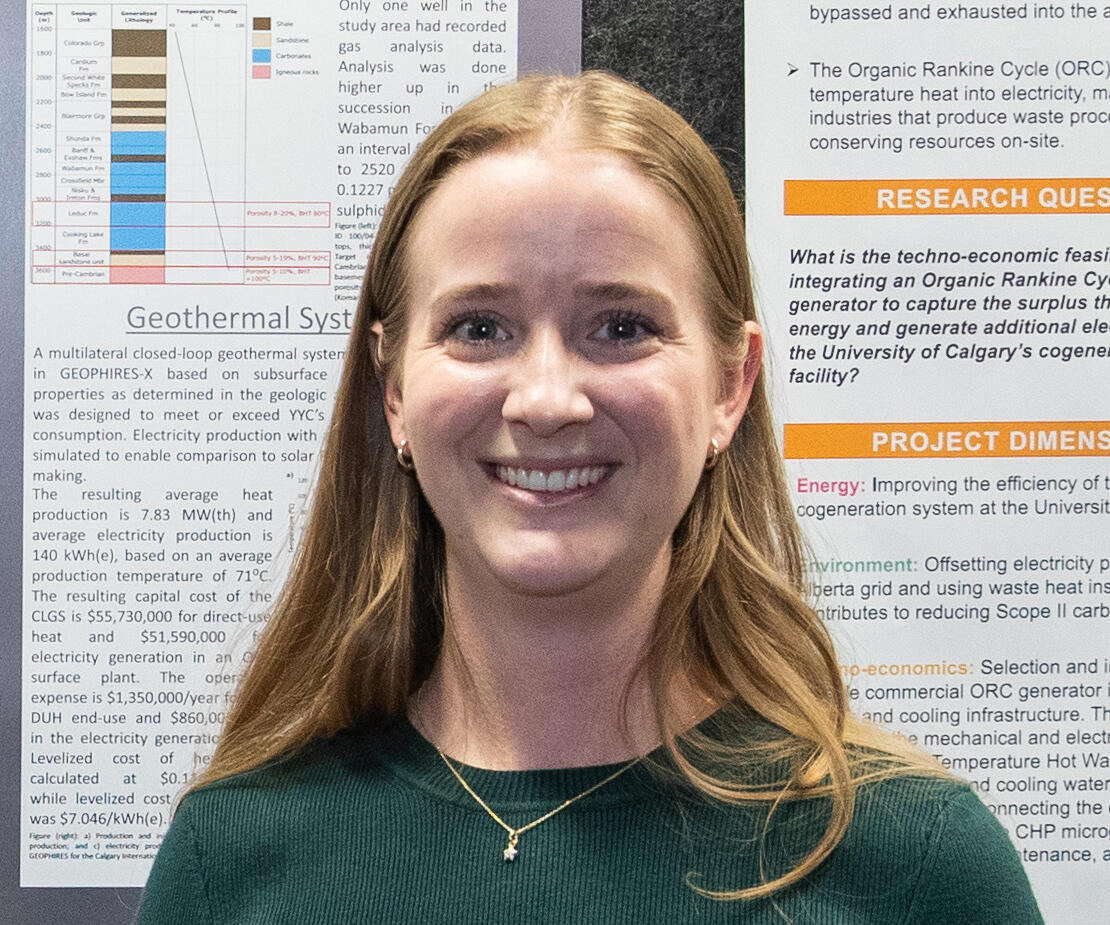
<point x="392" y="403"/>
<point x="738" y="380"/>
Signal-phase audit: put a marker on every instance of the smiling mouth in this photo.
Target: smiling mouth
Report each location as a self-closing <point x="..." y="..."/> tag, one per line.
<point x="554" y="480"/>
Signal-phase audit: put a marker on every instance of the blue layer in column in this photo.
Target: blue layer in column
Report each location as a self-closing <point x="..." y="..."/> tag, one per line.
<point x="138" y="142"/>
<point x="138" y="239"/>
<point x="138" y="226"/>
<point x="138" y="177"/>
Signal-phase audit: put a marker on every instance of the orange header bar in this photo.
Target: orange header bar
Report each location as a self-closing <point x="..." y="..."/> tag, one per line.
<point x="1064" y="196"/>
<point x="921" y="440"/>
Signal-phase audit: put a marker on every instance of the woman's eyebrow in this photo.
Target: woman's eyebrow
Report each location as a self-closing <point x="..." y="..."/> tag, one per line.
<point x="587" y="292"/>
<point x="621" y="292"/>
<point x="476" y="292"/>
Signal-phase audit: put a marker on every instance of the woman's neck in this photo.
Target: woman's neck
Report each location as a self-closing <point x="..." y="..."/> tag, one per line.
<point x="545" y="682"/>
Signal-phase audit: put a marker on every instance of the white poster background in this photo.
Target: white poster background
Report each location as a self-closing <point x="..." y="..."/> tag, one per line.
<point x="967" y="590"/>
<point x="180" y="364"/>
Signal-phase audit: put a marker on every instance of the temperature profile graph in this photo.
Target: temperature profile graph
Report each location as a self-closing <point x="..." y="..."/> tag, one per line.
<point x="138" y="153"/>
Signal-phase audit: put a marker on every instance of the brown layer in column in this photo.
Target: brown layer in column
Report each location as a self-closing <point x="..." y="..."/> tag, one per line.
<point x="139" y="43"/>
<point x="140" y="104"/>
<point x="143" y="81"/>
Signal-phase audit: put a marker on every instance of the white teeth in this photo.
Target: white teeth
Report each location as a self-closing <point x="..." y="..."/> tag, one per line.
<point x="558" y="480"/>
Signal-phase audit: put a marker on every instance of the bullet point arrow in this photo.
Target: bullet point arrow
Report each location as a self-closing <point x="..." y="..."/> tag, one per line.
<point x="792" y="69"/>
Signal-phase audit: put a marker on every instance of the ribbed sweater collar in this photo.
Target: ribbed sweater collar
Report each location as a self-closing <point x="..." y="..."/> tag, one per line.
<point x="406" y="753"/>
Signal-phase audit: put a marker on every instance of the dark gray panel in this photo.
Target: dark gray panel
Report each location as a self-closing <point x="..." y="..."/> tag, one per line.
<point x="689" y="53"/>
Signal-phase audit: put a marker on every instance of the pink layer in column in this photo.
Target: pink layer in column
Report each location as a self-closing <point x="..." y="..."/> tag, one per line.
<point x="137" y="275"/>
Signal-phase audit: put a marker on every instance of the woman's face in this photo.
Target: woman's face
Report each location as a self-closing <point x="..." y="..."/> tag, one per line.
<point x="558" y="388"/>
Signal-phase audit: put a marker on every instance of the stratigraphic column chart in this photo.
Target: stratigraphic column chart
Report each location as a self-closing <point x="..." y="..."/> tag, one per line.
<point x="138" y="190"/>
<point x="138" y="146"/>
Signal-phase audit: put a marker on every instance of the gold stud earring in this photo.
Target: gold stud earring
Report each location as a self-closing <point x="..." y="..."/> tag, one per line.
<point x="714" y="453"/>
<point x="404" y="458"/>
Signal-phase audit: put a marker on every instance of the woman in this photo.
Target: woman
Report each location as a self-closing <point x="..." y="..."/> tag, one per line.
<point x="544" y="654"/>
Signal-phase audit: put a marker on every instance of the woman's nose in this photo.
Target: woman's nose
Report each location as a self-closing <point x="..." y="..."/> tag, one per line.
<point x="546" y="391"/>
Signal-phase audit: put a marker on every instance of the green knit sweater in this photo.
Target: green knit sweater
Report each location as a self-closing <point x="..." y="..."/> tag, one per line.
<point x="372" y="828"/>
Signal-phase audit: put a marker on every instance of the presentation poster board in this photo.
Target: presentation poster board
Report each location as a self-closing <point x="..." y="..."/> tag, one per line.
<point x="927" y="201"/>
<point x="202" y="187"/>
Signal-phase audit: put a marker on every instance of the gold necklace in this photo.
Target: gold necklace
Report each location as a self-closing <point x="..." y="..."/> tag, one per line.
<point x="511" y="850"/>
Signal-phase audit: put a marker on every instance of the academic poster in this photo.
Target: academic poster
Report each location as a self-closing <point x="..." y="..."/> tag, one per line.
<point x="927" y="198"/>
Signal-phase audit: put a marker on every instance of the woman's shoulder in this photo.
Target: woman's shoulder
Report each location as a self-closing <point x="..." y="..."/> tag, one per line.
<point x="910" y="809"/>
<point x="243" y="834"/>
<point x="933" y="837"/>
<point x="296" y="796"/>
<point x="316" y="757"/>
<point x="325" y="771"/>
<point x="919" y="794"/>
<point x="920" y="843"/>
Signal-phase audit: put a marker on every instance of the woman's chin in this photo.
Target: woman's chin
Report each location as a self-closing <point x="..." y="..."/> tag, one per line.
<point x="592" y="570"/>
<point x="546" y="578"/>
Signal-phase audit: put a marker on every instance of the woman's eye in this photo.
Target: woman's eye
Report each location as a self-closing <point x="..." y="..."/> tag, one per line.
<point x="625" y="328"/>
<point x="477" y="329"/>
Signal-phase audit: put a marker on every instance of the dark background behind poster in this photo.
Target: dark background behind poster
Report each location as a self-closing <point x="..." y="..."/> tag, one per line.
<point x="687" y="53"/>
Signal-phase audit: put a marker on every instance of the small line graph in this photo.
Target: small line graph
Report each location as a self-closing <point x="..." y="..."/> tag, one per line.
<point x="200" y="144"/>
